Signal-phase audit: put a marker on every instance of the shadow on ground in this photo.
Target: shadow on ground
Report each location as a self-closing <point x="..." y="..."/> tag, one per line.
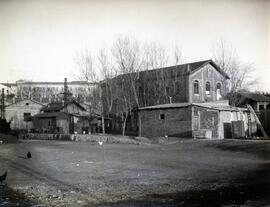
<point x="252" y="189"/>
<point x="10" y="197"/>
<point x="257" y="148"/>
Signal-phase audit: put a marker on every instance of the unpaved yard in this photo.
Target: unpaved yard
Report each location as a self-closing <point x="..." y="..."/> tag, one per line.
<point x="185" y="173"/>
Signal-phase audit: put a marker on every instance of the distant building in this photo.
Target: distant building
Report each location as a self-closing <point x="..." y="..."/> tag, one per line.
<point x="19" y="114"/>
<point x="257" y="101"/>
<point x="58" y="117"/>
<point x="260" y="103"/>
<point x="46" y="92"/>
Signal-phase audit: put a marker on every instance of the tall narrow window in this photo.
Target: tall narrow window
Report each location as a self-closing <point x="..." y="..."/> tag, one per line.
<point x="207" y="88"/>
<point x="219" y="86"/>
<point x="196" y="87"/>
<point x="219" y="97"/>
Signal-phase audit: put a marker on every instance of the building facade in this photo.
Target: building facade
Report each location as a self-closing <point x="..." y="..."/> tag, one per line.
<point x="19" y="114"/>
<point x="60" y="118"/>
<point x="47" y="92"/>
<point x="213" y="120"/>
<point x="196" y="82"/>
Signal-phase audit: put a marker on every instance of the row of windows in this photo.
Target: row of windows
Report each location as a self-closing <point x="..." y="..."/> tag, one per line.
<point x="207" y="87"/>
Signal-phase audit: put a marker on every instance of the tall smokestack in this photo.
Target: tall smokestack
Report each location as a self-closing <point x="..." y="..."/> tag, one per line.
<point x="65" y="91"/>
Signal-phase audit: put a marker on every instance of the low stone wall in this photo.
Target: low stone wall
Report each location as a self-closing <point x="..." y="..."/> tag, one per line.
<point x="84" y="137"/>
<point x="104" y="138"/>
<point x="47" y="136"/>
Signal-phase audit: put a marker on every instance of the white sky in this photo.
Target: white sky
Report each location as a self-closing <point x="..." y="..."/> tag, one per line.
<point x="38" y="39"/>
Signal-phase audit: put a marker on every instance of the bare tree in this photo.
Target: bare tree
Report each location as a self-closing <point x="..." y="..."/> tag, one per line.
<point x="126" y="54"/>
<point x="240" y="74"/>
<point x="130" y="89"/>
<point x="107" y="72"/>
<point x="87" y="72"/>
<point x="85" y="65"/>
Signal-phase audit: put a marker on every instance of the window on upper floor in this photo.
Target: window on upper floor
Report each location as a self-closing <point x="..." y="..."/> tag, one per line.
<point x="219" y="86"/>
<point x="196" y="87"/>
<point x="207" y="88"/>
<point x="219" y="96"/>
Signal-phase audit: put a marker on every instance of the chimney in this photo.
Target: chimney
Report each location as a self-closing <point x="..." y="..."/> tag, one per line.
<point x="188" y="68"/>
<point x="170" y="99"/>
<point x="65" y="91"/>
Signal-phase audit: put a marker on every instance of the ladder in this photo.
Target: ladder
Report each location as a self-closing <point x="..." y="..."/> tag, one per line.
<point x="256" y="120"/>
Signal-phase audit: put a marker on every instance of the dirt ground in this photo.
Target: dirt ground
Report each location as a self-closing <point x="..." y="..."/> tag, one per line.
<point x="180" y="173"/>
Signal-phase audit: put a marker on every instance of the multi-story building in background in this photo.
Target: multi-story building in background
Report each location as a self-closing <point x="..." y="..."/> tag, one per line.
<point x="47" y="92"/>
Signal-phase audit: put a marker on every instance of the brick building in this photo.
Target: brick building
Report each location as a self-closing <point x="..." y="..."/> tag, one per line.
<point x="196" y="120"/>
<point x="196" y="82"/>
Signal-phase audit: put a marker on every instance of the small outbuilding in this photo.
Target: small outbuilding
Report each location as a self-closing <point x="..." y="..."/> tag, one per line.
<point x="215" y="120"/>
<point x="62" y="118"/>
<point x="258" y="101"/>
<point x="19" y="114"/>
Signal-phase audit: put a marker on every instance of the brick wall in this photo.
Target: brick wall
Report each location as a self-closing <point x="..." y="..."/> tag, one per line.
<point x="176" y="122"/>
<point x="209" y="120"/>
<point x="207" y="73"/>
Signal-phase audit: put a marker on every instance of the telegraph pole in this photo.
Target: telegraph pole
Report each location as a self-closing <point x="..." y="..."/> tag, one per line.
<point x="3" y="104"/>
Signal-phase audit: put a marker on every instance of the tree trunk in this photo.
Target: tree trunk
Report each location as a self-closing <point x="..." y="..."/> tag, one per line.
<point x="103" y="124"/>
<point x="124" y="125"/>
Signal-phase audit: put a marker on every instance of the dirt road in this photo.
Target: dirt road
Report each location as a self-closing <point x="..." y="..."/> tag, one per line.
<point x="186" y="173"/>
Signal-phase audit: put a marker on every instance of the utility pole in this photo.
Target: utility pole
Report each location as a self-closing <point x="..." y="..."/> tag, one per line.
<point x="3" y="104"/>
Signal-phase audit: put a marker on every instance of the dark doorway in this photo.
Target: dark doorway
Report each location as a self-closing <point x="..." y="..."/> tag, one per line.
<point x="227" y="130"/>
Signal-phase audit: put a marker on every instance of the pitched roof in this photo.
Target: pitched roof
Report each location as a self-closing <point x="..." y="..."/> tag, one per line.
<point x="60" y="115"/>
<point x="254" y="96"/>
<point x="187" y="68"/>
<point x="36" y="102"/>
<point x="48" y="83"/>
<point x="209" y="105"/>
<point x="57" y="106"/>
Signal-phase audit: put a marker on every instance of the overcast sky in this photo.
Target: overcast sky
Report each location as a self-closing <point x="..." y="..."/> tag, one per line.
<point x="38" y="39"/>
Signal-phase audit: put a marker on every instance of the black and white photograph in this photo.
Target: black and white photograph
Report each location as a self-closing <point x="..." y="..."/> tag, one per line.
<point x="134" y="103"/>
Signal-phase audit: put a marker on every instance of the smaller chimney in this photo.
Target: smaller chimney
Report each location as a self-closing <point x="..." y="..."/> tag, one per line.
<point x="188" y="68"/>
<point x="170" y="99"/>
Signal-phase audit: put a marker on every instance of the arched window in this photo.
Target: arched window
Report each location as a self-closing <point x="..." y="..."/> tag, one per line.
<point x="219" y="86"/>
<point x="207" y="88"/>
<point x="196" y="87"/>
<point x="219" y="96"/>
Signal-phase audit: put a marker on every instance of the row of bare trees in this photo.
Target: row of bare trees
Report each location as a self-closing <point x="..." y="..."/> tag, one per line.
<point x="127" y="57"/>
